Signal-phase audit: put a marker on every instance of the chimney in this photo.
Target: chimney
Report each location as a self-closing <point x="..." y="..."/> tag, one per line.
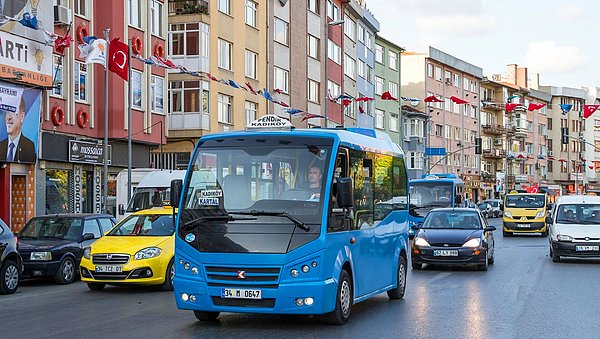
<point x="511" y="74"/>
<point x="522" y="77"/>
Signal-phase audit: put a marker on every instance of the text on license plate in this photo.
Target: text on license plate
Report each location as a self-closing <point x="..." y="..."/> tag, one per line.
<point x="525" y="225"/>
<point x="587" y="248"/>
<point x="109" y="268"/>
<point x="445" y="253"/>
<point x="240" y="293"/>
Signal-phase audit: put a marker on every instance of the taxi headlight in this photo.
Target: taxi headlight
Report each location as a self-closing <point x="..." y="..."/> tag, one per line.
<point x="563" y="237"/>
<point x="474" y="243"/>
<point x="540" y="214"/>
<point x="147" y="253"/>
<point x="421" y="242"/>
<point x="40" y="256"/>
<point x="87" y="251"/>
<point x="508" y="214"/>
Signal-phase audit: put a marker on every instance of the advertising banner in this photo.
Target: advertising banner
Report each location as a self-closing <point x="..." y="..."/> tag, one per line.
<point x="19" y="123"/>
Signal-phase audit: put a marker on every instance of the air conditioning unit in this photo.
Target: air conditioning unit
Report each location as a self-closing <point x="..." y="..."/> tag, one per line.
<point x="550" y="153"/>
<point x="62" y="15"/>
<point x="497" y="142"/>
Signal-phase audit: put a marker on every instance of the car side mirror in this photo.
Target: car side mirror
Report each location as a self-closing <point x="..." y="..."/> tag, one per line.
<point x="88" y="236"/>
<point x="121" y="209"/>
<point x="548" y="219"/>
<point x="176" y="188"/>
<point x="345" y="194"/>
<point x="415" y="227"/>
<point x="490" y="228"/>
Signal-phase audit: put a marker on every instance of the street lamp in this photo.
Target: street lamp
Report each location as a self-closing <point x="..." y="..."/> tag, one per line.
<point x="327" y="24"/>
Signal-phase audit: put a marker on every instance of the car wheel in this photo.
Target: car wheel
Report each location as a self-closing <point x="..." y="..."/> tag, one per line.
<point x="169" y="275"/>
<point x="484" y="266"/>
<point x="206" y="316"/>
<point x="416" y="266"/>
<point x="555" y="257"/>
<point x="343" y="301"/>
<point x="96" y="286"/>
<point x="9" y="277"/>
<point x="398" y="292"/>
<point x="66" y="272"/>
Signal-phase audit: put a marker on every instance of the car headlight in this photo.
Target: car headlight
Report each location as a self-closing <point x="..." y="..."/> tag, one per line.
<point x="475" y="242"/>
<point x="563" y="237"/>
<point x="147" y="253"/>
<point x="508" y="214"/>
<point x="421" y="242"/>
<point x="87" y="251"/>
<point x="40" y="256"/>
<point x="540" y="214"/>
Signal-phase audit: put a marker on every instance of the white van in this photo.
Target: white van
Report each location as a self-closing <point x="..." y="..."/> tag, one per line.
<point x="575" y="227"/>
<point x="152" y="191"/>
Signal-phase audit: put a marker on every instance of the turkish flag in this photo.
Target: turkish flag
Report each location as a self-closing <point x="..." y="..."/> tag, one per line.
<point x="588" y="110"/>
<point x="346" y="102"/>
<point x="533" y="106"/>
<point x="62" y="42"/>
<point x="118" y="58"/>
<point x="387" y="96"/>
<point x="511" y="107"/>
<point x="432" y="98"/>
<point x="458" y="100"/>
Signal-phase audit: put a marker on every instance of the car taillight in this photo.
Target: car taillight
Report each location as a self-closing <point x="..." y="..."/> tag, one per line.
<point x="17" y="242"/>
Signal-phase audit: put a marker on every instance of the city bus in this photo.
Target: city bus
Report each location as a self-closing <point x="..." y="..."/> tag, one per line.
<point x="525" y="212"/>
<point x="283" y="221"/>
<point x="433" y="191"/>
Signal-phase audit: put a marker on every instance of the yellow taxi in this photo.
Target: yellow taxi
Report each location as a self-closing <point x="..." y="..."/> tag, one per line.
<point x="138" y="250"/>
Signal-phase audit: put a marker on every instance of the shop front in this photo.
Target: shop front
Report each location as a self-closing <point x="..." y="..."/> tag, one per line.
<point x="592" y="189"/>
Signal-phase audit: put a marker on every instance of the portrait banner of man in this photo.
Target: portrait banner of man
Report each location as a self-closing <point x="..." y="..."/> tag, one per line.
<point x="20" y="116"/>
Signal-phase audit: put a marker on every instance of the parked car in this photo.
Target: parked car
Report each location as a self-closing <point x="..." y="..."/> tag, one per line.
<point x="459" y="236"/>
<point x="11" y="264"/>
<point x="485" y="209"/>
<point x="139" y="250"/>
<point x="575" y="227"/>
<point x="52" y="245"/>
<point x="497" y="207"/>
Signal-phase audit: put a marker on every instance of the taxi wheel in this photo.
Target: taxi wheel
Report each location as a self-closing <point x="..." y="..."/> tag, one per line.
<point x="66" y="272"/>
<point x="206" y="316"/>
<point x="398" y="292"/>
<point x="343" y="301"/>
<point x="96" y="286"/>
<point x="169" y="275"/>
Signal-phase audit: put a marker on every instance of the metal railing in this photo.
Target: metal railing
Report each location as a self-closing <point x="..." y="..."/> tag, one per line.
<point x="180" y="7"/>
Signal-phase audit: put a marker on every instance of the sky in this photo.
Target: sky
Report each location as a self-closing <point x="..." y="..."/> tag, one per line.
<point x="559" y="39"/>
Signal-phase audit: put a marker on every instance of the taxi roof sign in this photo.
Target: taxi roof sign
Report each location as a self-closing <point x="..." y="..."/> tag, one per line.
<point x="269" y="121"/>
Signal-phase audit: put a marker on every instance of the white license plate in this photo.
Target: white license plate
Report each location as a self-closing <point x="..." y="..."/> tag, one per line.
<point x="240" y="293"/>
<point x="445" y="253"/>
<point x="587" y="248"/>
<point x="109" y="268"/>
<point x="524" y="225"/>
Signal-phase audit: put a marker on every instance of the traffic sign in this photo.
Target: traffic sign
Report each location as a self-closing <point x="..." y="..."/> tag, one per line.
<point x="429" y="151"/>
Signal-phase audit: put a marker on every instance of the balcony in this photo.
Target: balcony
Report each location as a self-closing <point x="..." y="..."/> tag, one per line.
<point x="488" y="177"/>
<point x="520" y="132"/>
<point x="183" y="7"/>
<point x="492" y="105"/>
<point x="493" y="153"/>
<point x="493" y="129"/>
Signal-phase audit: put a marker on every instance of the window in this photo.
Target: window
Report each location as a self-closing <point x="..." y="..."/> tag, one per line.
<point x="313" y="6"/>
<point x="447" y="104"/>
<point x="549" y="143"/>
<point x="448" y="132"/>
<point x="251" y="13"/>
<point x="393" y="60"/>
<point x="224" y="6"/>
<point x="447" y="76"/>
<point x="379" y="118"/>
<point x="393" y="122"/>
<point x="438" y="73"/>
<point x="361" y="69"/>
<point x="416" y="129"/>
<point x="251" y="58"/>
<point x="156" y="94"/>
<point x="313" y="47"/>
<point x="351" y="109"/>
<point x="550" y="166"/>
<point x="438" y="130"/>
<point x="430" y="70"/>
<point x="58" y="71"/>
<point x="225" y="54"/>
<point x="393" y="88"/>
<point x="334" y="89"/>
<point x="379" y="51"/>
<point x="415" y="160"/>
<point x="58" y="194"/>
<point x="369" y="75"/>
<point x="225" y="108"/>
<point x="349" y="66"/>
<point x="361" y="33"/>
<point x="106" y="224"/>
<point x="91" y="226"/>
<point x="465" y="84"/>
<point x="184" y="39"/>
<point x="81" y="7"/>
<point x="350" y="28"/>
<point x="135" y="10"/>
<point x="379" y="85"/>
<point x="313" y="91"/>
<point x="596" y="146"/>
<point x="456" y="133"/>
<point x="189" y="98"/>
<point x="136" y="88"/>
<point x="369" y="41"/>
<point x="156" y="11"/>
<point x="457" y="80"/>
<point x="80" y="81"/>
<point x="251" y="108"/>
<point x="474" y="86"/>
<point x="332" y="11"/>
<point x="334" y="52"/>
<point x="281" y="31"/>
<point x="281" y="79"/>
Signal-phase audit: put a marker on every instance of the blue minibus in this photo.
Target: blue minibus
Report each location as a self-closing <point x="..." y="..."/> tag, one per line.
<point x="286" y="221"/>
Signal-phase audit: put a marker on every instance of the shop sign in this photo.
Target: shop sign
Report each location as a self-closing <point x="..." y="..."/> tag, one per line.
<point x="88" y="152"/>
<point x="77" y="188"/>
<point x="521" y="178"/>
<point x="576" y="176"/>
<point x="595" y="187"/>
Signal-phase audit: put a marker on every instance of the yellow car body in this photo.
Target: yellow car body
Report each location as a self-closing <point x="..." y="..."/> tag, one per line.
<point x="112" y="259"/>
<point x="524" y="213"/>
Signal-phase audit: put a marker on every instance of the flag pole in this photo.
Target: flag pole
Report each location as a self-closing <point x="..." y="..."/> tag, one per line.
<point x="130" y="94"/>
<point x="105" y="150"/>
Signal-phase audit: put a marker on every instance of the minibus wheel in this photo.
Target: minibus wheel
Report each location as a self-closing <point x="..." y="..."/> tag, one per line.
<point x="398" y="292"/>
<point x="206" y="316"/>
<point x="343" y="301"/>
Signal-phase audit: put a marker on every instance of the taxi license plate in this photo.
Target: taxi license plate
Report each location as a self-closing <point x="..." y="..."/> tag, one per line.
<point x="240" y="293"/>
<point x="445" y="253"/>
<point x="587" y="248"/>
<point x="109" y="268"/>
<point x="525" y="225"/>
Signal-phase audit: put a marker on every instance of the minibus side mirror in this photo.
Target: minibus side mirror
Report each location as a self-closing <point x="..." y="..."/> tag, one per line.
<point x="176" y="186"/>
<point x="345" y="193"/>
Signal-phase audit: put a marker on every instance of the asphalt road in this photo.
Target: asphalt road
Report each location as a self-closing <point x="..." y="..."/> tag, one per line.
<point x="523" y="295"/>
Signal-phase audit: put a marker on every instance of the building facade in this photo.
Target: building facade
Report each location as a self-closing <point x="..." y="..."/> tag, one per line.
<point x="387" y="78"/>
<point x="413" y="136"/>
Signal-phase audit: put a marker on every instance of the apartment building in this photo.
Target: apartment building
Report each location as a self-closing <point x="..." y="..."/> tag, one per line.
<point x="413" y="137"/>
<point x="591" y="134"/>
<point x="67" y="96"/>
<point x="387" y="79"/>
<point x="452" y="126"/>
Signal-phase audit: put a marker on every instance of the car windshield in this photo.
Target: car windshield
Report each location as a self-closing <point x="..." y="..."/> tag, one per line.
<point x="483" y="207"/>
<point x="452" y="220"/>
<point x="586" y="214"/>
<point x="492" y="203"/>
<point x="430" y="194"/>
<point x="525" y="201"/>
<point x="146" y="225"/>
<point x="59" y="228"/>
<point x="148" y="197"/>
